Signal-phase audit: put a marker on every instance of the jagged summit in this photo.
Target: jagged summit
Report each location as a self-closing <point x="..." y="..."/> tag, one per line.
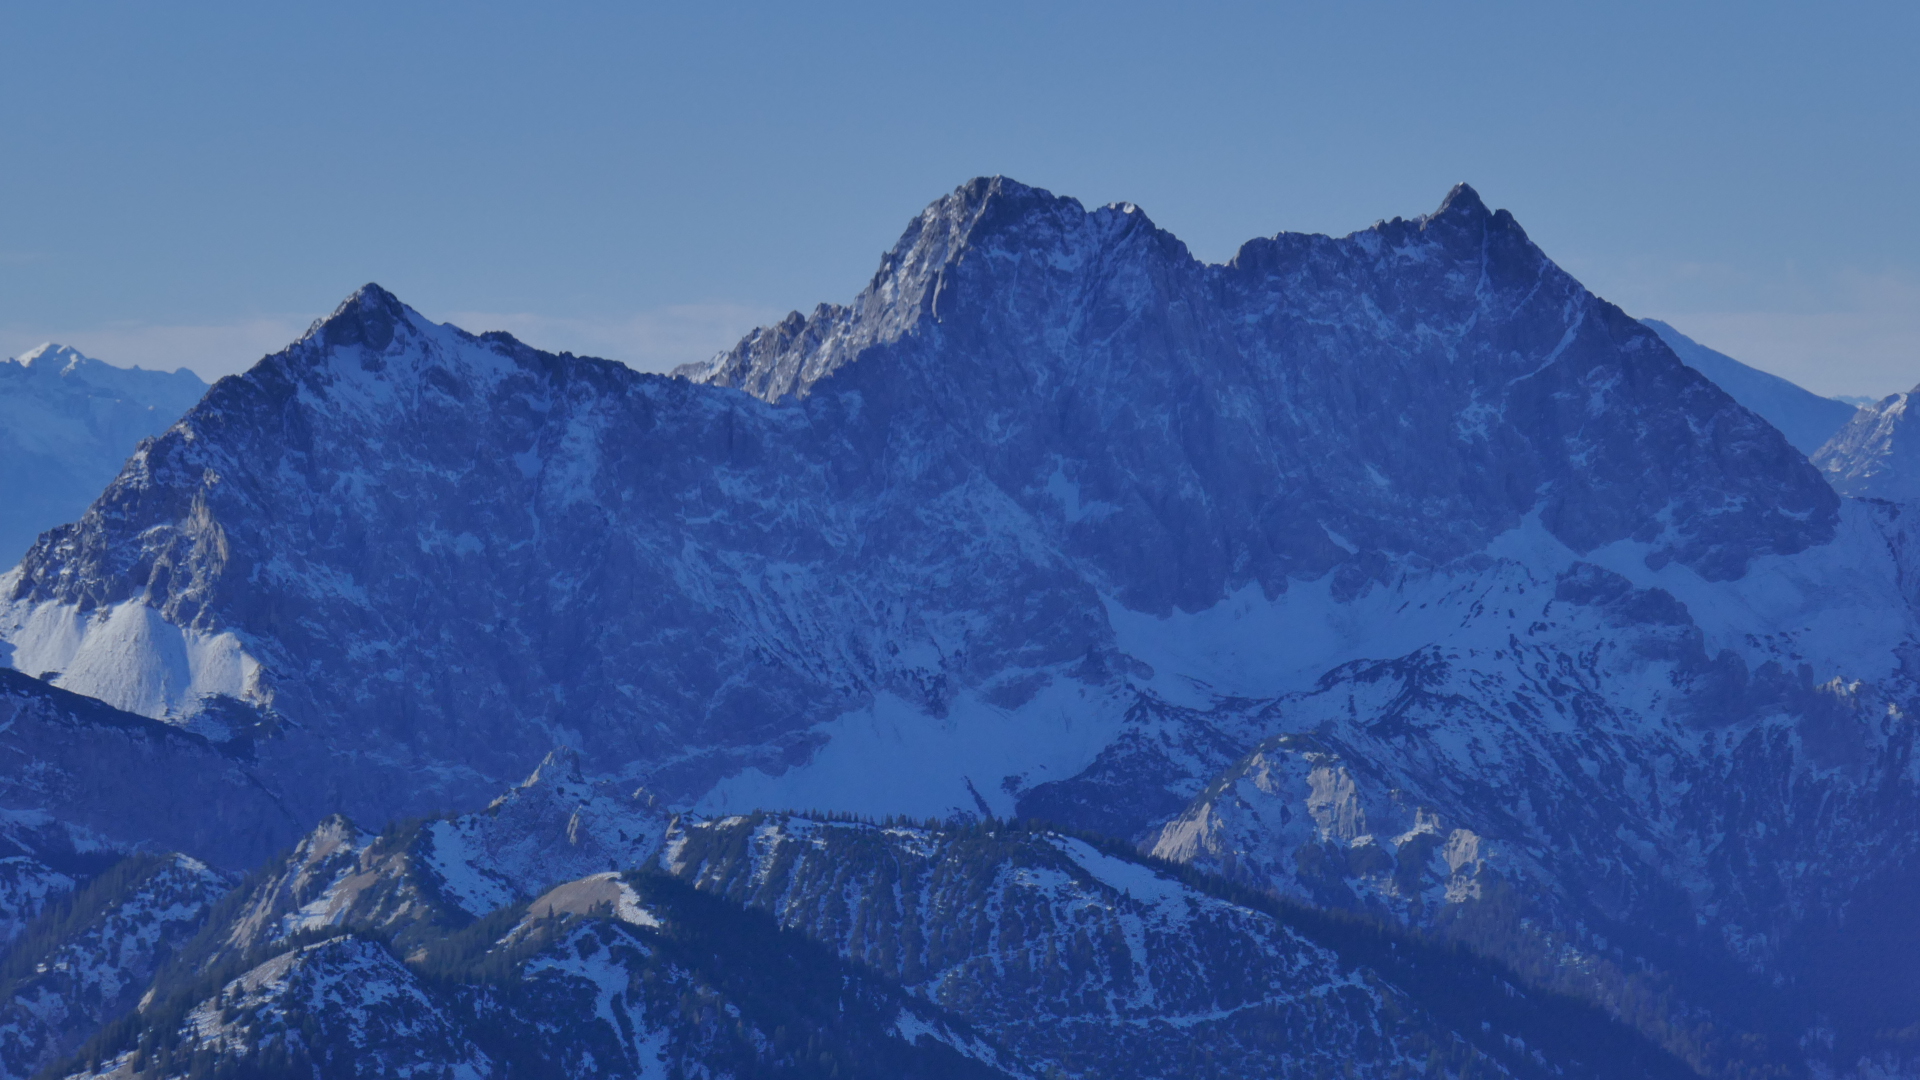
<point x="912" y="287"/>
<point x="914" y="284"/>
<point x="374" y="349"/>
<point x="368" y="317"/>
<point x="373" y="318"/>
<point x="989" y="206"/>
<point x="973" y="197"/>
<point x="52" y="356"/>
<point x="1461" y="202"/>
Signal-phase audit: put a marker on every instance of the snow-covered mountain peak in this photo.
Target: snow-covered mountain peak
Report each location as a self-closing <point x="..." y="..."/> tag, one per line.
<point x="1384" y="569"/>
<point x="367" y="325"/>
<point x="1461" y="203"/>
<point x="374" y="353"/>
<point x="369" y="318"/>
<point x="54" y="357"/>
<point x="1464" y="232"/>
<point x="1000" y="210"/>
<point x="52" y="360"/>
<point x="995" y="219"/>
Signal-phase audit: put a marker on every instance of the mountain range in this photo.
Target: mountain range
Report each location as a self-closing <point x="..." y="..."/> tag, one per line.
<point x="1372" y="654"/>
<point x="67" y="424"/>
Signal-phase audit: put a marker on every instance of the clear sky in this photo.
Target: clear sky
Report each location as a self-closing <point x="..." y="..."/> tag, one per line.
<point x="194" y="182"/>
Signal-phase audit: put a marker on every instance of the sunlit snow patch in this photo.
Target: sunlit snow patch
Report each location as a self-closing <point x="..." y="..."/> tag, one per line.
<point x="893" y="758"/>
<point x="128" y="656"/>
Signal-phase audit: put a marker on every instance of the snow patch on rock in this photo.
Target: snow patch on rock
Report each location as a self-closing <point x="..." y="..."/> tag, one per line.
<point x="892" y="757"/>
<point x="129" y="656"/>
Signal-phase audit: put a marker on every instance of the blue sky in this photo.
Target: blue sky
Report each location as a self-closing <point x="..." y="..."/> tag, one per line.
<point x="194" y="182"/>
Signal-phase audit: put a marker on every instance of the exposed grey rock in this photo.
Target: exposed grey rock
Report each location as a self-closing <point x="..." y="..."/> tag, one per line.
<point x="1079" y="956"/>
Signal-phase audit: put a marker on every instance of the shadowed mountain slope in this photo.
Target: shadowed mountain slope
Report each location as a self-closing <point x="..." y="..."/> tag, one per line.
<point x="1805" y="418"/>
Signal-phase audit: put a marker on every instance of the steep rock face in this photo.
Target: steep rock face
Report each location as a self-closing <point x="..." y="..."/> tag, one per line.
<point x="1412" y="390"/>
<point x="67" y="424"/>
<point x="1874" y="455"/>
<point x="662" y="574"/>
<point x="1805" y="418"/>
